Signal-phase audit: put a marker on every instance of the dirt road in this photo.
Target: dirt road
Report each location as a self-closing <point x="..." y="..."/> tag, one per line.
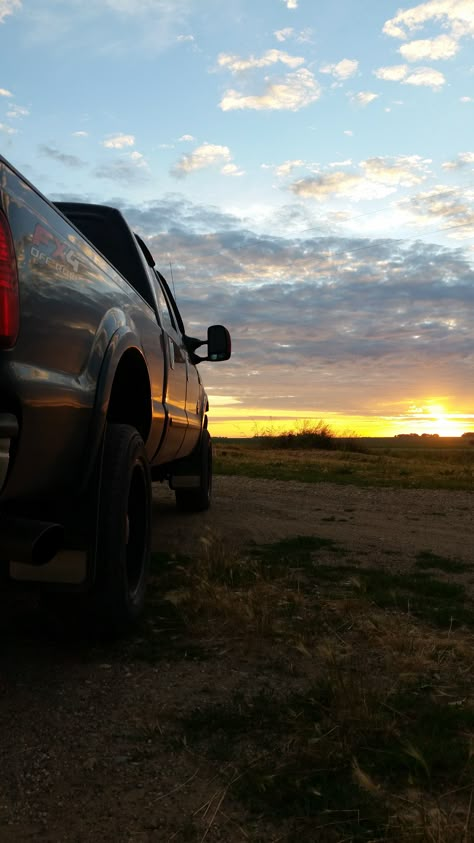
<point x="376" y="523"/>
<point x="92" y="746"/>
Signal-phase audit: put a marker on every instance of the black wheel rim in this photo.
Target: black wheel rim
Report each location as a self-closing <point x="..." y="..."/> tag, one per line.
<point x="137" y="515"/>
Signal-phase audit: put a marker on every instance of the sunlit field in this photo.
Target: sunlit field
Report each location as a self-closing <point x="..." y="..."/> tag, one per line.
<point x="418" y="462"/>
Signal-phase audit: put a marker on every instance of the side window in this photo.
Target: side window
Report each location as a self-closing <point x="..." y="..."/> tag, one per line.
<point x="171" y="303"/>
<point x="165" y="310"/>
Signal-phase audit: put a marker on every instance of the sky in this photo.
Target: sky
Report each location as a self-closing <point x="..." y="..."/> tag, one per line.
<point x="303" y="173"/>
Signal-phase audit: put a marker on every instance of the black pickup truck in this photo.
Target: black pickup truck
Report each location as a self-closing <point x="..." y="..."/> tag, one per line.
<point x="99" y="396"/>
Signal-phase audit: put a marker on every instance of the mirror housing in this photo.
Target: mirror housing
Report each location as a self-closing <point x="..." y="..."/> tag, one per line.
<point x="219" y="345"/>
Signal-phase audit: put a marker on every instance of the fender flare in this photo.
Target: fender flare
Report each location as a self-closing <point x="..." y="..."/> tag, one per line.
<point x="122" y="341"/>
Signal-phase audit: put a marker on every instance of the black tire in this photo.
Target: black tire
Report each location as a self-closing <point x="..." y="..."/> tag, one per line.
<point x="123" y="531"/>
<point x="199" y="499"/>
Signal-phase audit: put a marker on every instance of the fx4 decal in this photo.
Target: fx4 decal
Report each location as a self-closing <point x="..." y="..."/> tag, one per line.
<point x="48" y="249"/>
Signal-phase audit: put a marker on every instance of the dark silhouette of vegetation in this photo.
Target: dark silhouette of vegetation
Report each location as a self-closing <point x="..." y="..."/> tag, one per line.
<point x="416" y="436"/>
<point x="307" y="436"/>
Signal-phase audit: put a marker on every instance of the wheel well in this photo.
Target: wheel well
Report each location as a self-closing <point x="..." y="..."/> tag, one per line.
<point x="130" y="399"/>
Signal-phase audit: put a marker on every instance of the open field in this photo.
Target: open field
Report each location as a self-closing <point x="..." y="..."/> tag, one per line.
<point x="304" y="671"/>
<point x="399" y="463"/>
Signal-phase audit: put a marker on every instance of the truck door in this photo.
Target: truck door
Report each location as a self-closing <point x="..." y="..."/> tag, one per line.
<point x="177" y="372"/>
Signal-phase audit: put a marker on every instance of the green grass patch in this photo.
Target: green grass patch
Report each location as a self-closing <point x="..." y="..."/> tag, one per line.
<point x="428" y="560"/>
<point x="443" y="604"/>
<point x="319" y="760"/>
<point x="432" y="468"/>
<point x="294" y="552"/>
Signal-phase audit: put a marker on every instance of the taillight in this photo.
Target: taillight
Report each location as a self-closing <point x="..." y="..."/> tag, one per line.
<point x="9" y="295"/>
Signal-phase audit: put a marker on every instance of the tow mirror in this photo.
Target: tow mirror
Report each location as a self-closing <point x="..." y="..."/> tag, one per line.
<point x="218" y="345"/>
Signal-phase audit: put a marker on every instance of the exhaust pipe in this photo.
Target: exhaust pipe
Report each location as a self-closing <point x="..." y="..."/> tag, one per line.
<point x="29" y="542"/>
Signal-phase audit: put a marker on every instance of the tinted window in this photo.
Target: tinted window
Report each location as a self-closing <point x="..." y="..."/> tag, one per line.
<point x="166" y="313"/>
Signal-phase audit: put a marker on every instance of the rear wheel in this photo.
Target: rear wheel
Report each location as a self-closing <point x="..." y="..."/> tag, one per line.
<point x="198" y="499"/>
<point x="124" y="529"/>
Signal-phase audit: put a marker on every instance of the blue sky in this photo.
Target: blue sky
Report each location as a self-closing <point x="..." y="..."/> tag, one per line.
<point x="306" y="168"/>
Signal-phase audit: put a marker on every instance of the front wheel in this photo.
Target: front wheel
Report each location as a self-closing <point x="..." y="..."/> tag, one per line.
<point x="123" y="543"/>
<point x="198" y="499"/>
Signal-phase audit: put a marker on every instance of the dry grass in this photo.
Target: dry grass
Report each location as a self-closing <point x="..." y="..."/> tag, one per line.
<point x="375" y="739"/>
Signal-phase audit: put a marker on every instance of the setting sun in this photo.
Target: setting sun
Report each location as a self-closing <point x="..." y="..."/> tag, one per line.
<point x="442" y="422"/>
<point x="435" y="418"/>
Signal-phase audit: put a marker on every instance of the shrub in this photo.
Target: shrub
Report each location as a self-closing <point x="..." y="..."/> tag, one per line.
<point x="305" y="436"/>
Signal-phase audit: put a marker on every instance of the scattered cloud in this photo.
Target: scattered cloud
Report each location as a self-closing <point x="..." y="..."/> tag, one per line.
<point x="231" y="170"/>
<point x="349" y="133"/>
<point x="373" y="178"/>
<point x="466" y="99"/>
<point x="426" y="77"/>
<point x="7" y="130"/>
<point x="185" y="138"/>
<point x="181" y="39"/>
<point x="239" y="65"/>
<point x="450" y="206"/>
<point x="344" y="69"/>
<point x="455" y="15"/>
<point x="433" y="49"/>
<point x="5" y="93"/>
<point x="287" y="167"/>
<point x="324" y="185"/>
<point x="206" y="155"/>
<point x="130" y="168"/>
<point x="420" y="76"/>
<point x="17" y="111"/>
<point x="464" y="159"/>
<point x="403" y="170"/>
<point x="305" y="36"/>
<point x="7" y="7"/>
<point x="295" y="91"/>
<point x="393" y="73"/>
<point x="138" y="158"/>
<point x="119" y="141"/>
<point x="363" y="98"/>
<point x="283" y="34"/>
<point x="291" y="4"/>
<point x="80" y="134"/>
<point x="63" y="157"/>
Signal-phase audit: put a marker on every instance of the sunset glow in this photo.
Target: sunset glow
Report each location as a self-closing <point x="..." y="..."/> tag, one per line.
<point x="229" y="418"/>
<point x="236" y="421"/>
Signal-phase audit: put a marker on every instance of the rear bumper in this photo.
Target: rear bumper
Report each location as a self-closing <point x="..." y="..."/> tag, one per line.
<point x="8" y="432"/>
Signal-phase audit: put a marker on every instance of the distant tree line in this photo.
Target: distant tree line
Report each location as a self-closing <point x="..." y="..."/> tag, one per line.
<point x="416" y="436"/>
<point x="468" y="435"/>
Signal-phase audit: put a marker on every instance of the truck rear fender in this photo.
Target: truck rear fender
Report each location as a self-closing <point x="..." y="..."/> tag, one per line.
<point x="123" y="393"/>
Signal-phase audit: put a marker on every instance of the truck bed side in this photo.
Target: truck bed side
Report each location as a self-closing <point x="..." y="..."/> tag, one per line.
<point x="79" y="318"/>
